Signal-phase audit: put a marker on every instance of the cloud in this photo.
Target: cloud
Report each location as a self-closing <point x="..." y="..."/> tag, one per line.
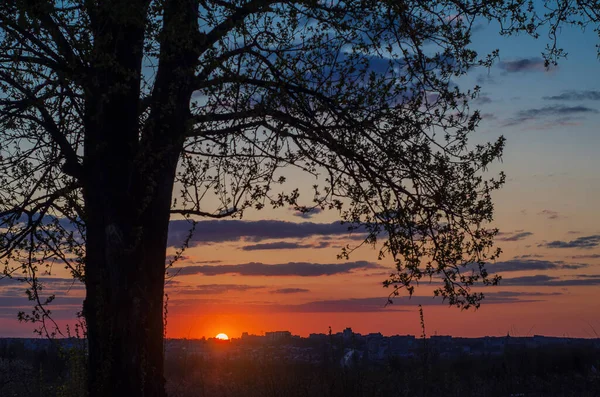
<point x="365" y="305"/>
<point x="344" y="305"/>
<point x="560" y="122"/>
<point x="280" y="245"/>
<point x="549" y="214"/>
<point x="590" y="256"/>
<point x="68" y="297"/>
<point x="573" y="95"/>
<point x="501" y="294"/>
<point x="535" y="64"/>
<point x="61" y="302"/>
<point x="217" y="231"/>
<point x="515" y="265"/>
<point x="50" y="285"/>
<point x="213" y="289"/>
<point x="308" y="214"/>
<point x="379" y="303"/>
<point x="550" y="281"/>
<point x="486" y="79"/>
<point x="516" y="236"/>
<point x="488" y="116"/>
<point x="580" y="242"/>
<point x="483" y="100"/>
<point x="302" y="269"/>
<point x="529" y="256"/>
<point x="350" y="305"/>
<point x="290" y="291"/>
<point x="357" y="305"/>
<point x="193" y="302"/>
<point x="561" y="111"/>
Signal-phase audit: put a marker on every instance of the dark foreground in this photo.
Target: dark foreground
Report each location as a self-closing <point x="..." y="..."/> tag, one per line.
<point x="540" y="372"/>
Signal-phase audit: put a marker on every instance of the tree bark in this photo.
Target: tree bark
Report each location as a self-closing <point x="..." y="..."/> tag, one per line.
<point x="125" y="269"/>
<point x="123" y="309"/>
<point x="129" y="173"/>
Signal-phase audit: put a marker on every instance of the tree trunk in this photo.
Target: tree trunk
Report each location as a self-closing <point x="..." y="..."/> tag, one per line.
<point x="125" y="270"/>
<point x="124" y="315"/>
<point x="123" y="306"/>
<point x="129" y="173"/>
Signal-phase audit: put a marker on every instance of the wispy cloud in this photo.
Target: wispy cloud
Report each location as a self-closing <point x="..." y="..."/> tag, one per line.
<point x="549" y="214"/>
<point x="342" y="306"/>
<point x="484" y="79"/>
<point x="515" y="265"/>
<point x="514" y="237"/>
<point x="573" y="95"/>
<point x="280" y="245"/>
<point x="490" y="297"/>
<point x="526" y="256"/>
<point x="50" y="285"/>
<point x="61" y="302"/>
<point x="562" y="111"/>
<point x="357" y="305"/>
<point x="214" y="289"/>
<point x="216" y="231"/>
<point x="589" y="256"/>
<point x="483" y="100"/>
<point x="374" y="304"/>
<point x="551" y="281"/>
<point x="581" y="242"/>
<point x="302" y="269"/>
<point x="534" y="64"/>
<point x="488" y="116"/>
<point x="290" y="291"/>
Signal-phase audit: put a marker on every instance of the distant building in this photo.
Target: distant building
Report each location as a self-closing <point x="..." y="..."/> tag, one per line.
<point x="252" y="339"/>
<point x="318" y="337"/>
<point x="441" y="343"/>
<point x="278" y="336"/>
<point x="347" y="334"/>
<point x="375" y="346"/>
<point x="400" y="345"/>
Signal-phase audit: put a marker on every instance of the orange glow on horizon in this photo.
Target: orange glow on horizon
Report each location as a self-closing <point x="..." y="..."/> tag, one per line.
<point x="525" y="318"/>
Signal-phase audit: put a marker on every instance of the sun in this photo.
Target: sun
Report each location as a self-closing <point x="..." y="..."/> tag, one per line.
<point x="222" y="337"/>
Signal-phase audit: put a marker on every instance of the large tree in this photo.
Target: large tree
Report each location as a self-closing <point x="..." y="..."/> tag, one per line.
<point x="108" y="107"/>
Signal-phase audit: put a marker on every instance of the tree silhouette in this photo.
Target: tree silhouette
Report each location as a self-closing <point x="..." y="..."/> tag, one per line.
<point x="108" y="107"/>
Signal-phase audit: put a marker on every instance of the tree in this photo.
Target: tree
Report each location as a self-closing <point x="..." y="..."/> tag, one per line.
<point x="107" y="107"/>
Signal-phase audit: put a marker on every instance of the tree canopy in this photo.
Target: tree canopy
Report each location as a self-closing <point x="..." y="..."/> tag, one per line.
<point x="116" y="114"/>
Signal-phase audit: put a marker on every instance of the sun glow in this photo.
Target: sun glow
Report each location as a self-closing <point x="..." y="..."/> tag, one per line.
<point x="222" y="337"/>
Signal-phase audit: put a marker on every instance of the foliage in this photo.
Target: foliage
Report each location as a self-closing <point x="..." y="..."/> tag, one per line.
<point x="347" y="91"/>
<point x="109" y="106"/>
<point x="54" y="370"/>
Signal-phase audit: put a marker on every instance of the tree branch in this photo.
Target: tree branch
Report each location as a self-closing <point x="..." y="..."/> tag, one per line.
<point x="224" y="214"/>
<point x="72" y="165"/>
<point x="221" y="30"/>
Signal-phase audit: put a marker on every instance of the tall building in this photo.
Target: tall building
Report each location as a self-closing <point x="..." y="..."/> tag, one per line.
<point x="277" y="336"/>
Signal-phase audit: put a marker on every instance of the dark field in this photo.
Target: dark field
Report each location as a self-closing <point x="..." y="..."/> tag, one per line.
<point x="540" y="372"/>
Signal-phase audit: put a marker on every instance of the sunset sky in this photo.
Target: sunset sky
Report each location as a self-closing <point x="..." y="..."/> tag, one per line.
<point x="278" y="270"/>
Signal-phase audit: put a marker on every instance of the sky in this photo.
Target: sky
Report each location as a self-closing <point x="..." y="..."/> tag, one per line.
<point x="278" y="269"/>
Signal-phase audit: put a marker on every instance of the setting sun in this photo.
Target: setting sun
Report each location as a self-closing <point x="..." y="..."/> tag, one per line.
<point x="222" y="337"/>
